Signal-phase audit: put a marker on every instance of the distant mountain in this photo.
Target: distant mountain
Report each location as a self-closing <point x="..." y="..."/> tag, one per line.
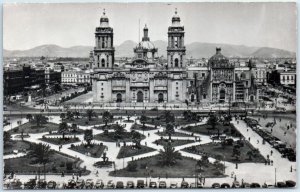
<point x="195" y="50"/>
<point x="50" y="51"/>
<point x="272" y="52"/>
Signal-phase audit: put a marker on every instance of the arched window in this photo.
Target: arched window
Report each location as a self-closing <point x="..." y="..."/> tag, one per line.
<point x="119" y="98"/>
<point x="192" y="98"/>
<point x="103" y="62"/>
<point x="288" y="78"/>
<point x="176" y="62"/>
<point x="160" y="97"/>
<point x="103" y="42"/>
<point x="283" y="78"/>
<point x="140" y="97"/>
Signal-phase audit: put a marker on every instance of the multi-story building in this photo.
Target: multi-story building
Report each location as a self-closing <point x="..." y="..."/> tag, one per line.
<point x="75" y="77"/>
<point x="146" y="79"/>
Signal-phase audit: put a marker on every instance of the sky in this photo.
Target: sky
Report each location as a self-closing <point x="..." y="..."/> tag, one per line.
<point x="252" y="24"/>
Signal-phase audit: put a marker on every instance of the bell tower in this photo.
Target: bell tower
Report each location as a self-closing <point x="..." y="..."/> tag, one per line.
<point x="104" y="51"/>
<point x="176" y="48"/>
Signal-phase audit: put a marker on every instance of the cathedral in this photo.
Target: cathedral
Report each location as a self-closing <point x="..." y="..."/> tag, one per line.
<point x="145" y="79"/>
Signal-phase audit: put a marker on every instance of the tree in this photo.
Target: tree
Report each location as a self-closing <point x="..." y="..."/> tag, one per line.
<point x="74" y="127"/>
<point x="41" y="152"/>
<point x="70" y="115"/>
<point x="107" y="116"/>
<point x="169" y="116"/>
<point x="119" y="130"/>
<point x="62" y="116"/>
<point x="136" y="139"/>
<point x="250" y="155"/>
<point x="170" y="130"/>
<point x="6" y="136"/>
<point x="29" y="117"/>
<point x="88" y="136"/>
<point x="90" y="114"/>
<point x="203" y="161"/>
<point x="212" y="121"/>
<point x="40" y="119"/>
<point x="77" y="114"/>
<point x="63" y="128"/>
<point x="236" y="152"/>
<point x="168" y="156"/>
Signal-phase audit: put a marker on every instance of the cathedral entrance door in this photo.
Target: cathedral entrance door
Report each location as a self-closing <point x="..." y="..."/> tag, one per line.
<point x="119" y="98"/>
<point x="160" y="98"/>
<point x="222" y="96"/>
<point x="140" y="97"/>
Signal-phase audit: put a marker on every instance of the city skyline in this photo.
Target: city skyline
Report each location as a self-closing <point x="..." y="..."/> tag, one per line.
<point x="254" y="24"/>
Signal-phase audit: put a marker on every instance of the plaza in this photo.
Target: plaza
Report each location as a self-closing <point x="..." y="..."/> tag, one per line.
<point x="281" y="168"/>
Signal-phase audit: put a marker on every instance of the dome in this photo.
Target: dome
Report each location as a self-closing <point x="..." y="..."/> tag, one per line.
<point x="147" y="45"/>
<point x="219" y="60"/>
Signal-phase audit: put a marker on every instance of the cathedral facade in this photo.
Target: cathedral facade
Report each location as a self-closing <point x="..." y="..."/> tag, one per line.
<point x="145" y="79"/>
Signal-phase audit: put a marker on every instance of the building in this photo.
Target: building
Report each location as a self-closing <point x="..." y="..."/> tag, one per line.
<point x="76" y="77"/>
<point x="18" y="80"/>
<point x="52" y="76"/>
<point x="287" y="77"/>
<point x="145" y="79"/>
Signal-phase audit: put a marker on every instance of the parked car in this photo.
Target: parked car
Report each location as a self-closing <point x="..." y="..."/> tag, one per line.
<point x="130" y="184"/>
<point x="110" y="184"/>
<point x="41" y="184"/>
<point x="173" y="185"/>
<point x="80" y="184"/>
<point x="140" y="184"/>
<point x="184" y="184"/>
<point x="216" y="185"/>
<point x="16" y="184"/>
<point x="153" y="184"/>
<point x="31" y="184"/>
<point x="162" y="184"/>
<point x="71" y="184"/>
<point x="245" y="185"/>
<point x="236" y="184"/>
<point x="290" y="183"/>
<point x="267" y="185"/>
<point x="255" y="185"/>
<point x="280" y="184"/>
<point x="194" y="185"/>
<point x="89" y="184"/>
<point x="120" y="185"/>
<point x="225" y="185"/>
<point x="99" y="184"/>
<point x="51" y="185"/>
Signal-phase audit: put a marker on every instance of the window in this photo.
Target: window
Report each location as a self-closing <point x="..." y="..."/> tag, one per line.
<point x="101" y="89"/>
<point x="283" y="78"/>
<point x="191" y="83"/>
<point x="176" y="88"/>
<point x="176" y="62"/>
<point x="288" y="78"/>
<point x="102" y="84"/>
<point x="176" y="83"/>
<point x="292" y="77"/>
<point x="103" y="62"/>
<point x="204" y="96"/>
<point x="203" y="74"/>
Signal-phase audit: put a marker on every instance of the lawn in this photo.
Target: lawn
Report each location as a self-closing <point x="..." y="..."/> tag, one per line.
<point x="128" y="151"/>
<point x="60" y="140"/>
<point x="94" y="150"/>
<point x="140" y="127"/>
<point x="206" y="129"/>
<point x="162" y="121"/>
<point x="58" y="162"/>
<point x="84" y="121"/>
<point x="13" y="145"/>
<point x="109" y="126"/>
<point x="217" y="151"/>
<point x="176" y="134"/>
<point x="110" y="137"/>
<point x="183" y="168"/>
<point x="30" y="127"/>
<point x="175" y="142"/>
